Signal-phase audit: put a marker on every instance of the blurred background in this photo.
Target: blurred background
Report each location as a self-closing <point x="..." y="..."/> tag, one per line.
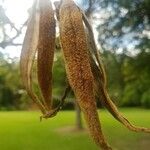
<point x="122" y="34"/>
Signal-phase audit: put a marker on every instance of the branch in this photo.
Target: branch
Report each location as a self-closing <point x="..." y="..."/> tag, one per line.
<point x="7" y="42"/>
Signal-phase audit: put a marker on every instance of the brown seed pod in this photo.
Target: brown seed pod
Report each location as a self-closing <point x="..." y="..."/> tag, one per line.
<point x="53" y="112"/>
<point x="103" y="96"/>
<point x="77" y="63"/>
<point x="46" y="47"/>
<point x="100" y="82"/>
<point x="28" y="53"/>
<point x="93" y="48"/>
<point x="40" y="34"/>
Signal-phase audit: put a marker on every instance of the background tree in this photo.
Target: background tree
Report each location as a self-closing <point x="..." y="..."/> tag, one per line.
<point x="123" y="28"/>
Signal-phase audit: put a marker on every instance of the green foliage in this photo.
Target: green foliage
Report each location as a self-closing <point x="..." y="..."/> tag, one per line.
<point x="128" y="78"/>
<point x="113" y="65"/>
<point x="59" y="74"/>
<point x="136" y="72"/>
<point x="146" y="99"/>
<point x="128" y="81"/>
<point x="131" y="96"/>
<point x="11" y="91"/>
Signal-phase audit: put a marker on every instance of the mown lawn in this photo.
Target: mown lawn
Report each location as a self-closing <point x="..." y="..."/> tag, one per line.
<point x="23" y="131"/>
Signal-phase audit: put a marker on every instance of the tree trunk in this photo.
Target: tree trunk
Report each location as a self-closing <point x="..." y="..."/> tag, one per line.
<point x="78" y="117"/>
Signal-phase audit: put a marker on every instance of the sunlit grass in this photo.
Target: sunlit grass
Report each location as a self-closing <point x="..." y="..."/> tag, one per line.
<point x="23" y="131"/>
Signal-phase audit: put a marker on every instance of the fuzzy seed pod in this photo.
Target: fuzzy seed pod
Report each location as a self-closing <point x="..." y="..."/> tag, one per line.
<point x="77" y="63"/>
<point x="100" y="82"/>
<point x="46" y="47"/>
<point x="93" y="48"/>
<point x="28" y="53"/>
<point x="103" y="96"/>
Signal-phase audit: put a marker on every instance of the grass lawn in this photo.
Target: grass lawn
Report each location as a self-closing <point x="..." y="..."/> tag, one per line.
<point x="23" y="131"/>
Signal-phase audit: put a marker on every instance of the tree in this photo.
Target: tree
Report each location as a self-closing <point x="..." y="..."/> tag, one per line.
<point x="136" y="75"/>
<point x="11" y="92"/>
<point x="123" y="28"/>
<point x="5" y="39"/>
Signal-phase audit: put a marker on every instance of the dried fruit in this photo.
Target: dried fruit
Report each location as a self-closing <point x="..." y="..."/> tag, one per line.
<point x="77" y="63"/>
<point x="100" y="81"/>
<point x="40" y="35"/>
<point x="46" y="47"/>
<point x="28" y="53"/>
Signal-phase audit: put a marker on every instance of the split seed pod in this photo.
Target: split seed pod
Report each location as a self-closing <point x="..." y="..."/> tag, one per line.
<point x="100" y="82"/>
<point x="40" y="35"/>
<point x="46" y="47"/>
<point x="77" y="63"/>
<point x="28" y="53"/>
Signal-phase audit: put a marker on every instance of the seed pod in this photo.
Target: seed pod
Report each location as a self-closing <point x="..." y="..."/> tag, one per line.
<point x="53" y="112"/>
<point x="28" y="53"/>
<point x="93" y="48"/>
<point x="40" y="34"/>
<point x="74" y="45"/>
<point x="103" y="96"/>
<point x="46" y="46"/>
<point x="100" y="82"/>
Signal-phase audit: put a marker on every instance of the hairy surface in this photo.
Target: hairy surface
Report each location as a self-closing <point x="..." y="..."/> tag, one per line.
<point x="100" y="82"/>
<point x="75" y="50"/>
<point x="46" y="47"/>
